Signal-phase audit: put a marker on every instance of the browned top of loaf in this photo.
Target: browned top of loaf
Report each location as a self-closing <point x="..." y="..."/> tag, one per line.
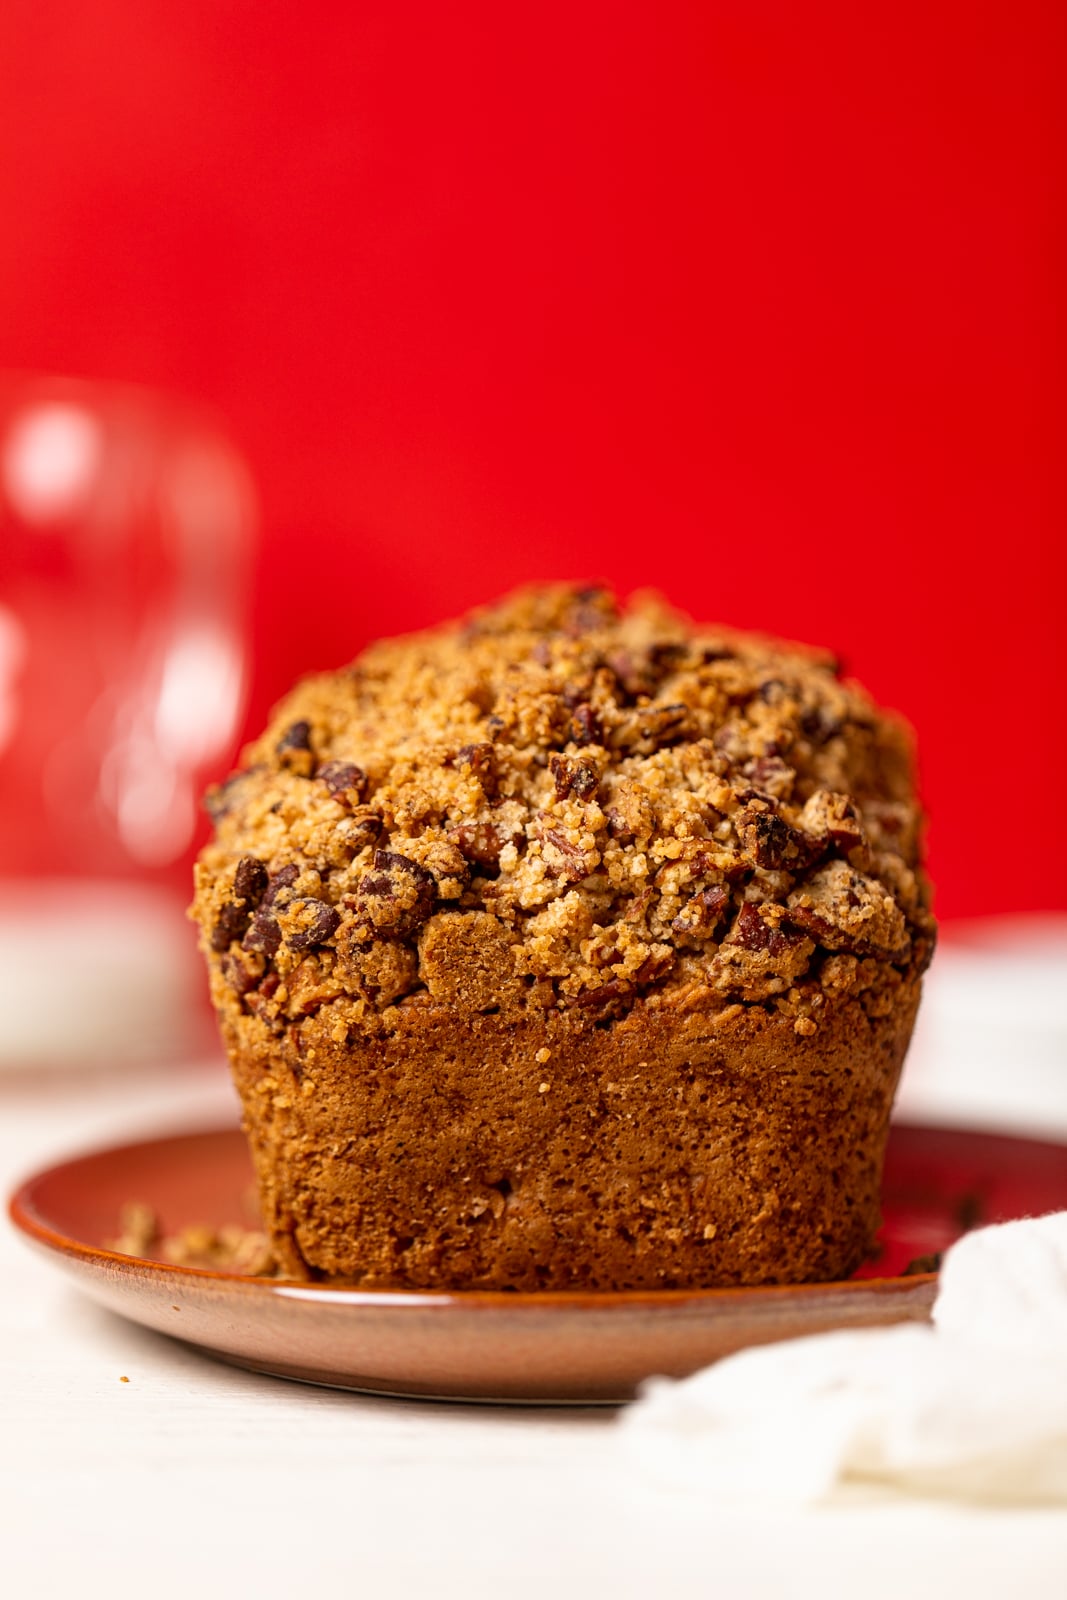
<point x="556" y="804"/>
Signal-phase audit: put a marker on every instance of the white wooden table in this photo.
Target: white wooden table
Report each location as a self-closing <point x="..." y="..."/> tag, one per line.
<point x="193" y="1479"/>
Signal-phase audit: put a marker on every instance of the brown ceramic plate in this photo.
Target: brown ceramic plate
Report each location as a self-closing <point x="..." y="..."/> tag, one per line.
<point x="508" y="1347"/>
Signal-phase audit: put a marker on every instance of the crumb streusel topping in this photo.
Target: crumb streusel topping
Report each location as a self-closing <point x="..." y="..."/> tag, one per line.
<point x="561" y="805"/>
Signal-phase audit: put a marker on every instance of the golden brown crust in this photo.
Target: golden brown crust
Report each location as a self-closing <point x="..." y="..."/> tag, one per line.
<point x="552" y="826"/>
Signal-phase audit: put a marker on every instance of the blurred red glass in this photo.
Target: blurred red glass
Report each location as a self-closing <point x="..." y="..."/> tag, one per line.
<point x="125" y="534"/>
<point x="126" y="530"/>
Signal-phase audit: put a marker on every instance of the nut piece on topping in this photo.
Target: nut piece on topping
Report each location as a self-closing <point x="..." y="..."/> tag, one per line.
<point x="394" y="898"/>
<point x="344" y="780"/>
<point x="293" y="749"/>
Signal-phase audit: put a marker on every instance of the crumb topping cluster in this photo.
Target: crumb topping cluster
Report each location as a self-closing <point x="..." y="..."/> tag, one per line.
<point x="557" y="804"/>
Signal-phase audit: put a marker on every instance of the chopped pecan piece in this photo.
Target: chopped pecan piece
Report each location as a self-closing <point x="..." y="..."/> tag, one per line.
<point x="772" y="691"/>
<point x="634" y="807"/>
<point x="752" y="931"/>
<point x="586" y="780"/>
<point x="847" y="834"/>
<point x="258" y="1002"/>
<point x="821" y="725"/>
<point x="478" y="841"/>
<point x="249" y="885"/>
<point x="585" y="725"/>
<point x="580" y="777"/>
<point x="770" y="775"/>
<point x="634" y="674"/>
<point x="563" y="858"/>
<point x="630" y="814"/>
<point x="448" y="866"/>
<point x="360" y="828"/>
<point x="669" y="654"/>
<point x="770" y="841"/>
<point x="250" y="880"/>
<point x="263" y="934"/>
<point x="296" y="737"/>
<point x="230" y="924"/>
<point x="702" y="913"/>
<point x="822" y="930"/>
<point x="309" y="923"/>
<point x="616" y="995"/>
<point x="393" y="899"/>
<point x="344" y="780"/>
<point x="727" y="864"/>
<point x="733" y="743"/>
<point x="649" y="728"/>
<point x="611" y="997"/>
<point x="294" y="749"/>
<point x="832" y="817"/>
<point x="280" y="881"/>
<point x="618" y="826"/>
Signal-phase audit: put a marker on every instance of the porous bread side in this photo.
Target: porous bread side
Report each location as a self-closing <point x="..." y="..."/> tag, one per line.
<point x="676" y="1147"/>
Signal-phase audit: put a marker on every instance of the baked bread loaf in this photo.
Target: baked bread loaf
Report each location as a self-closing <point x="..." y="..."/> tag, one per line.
<point x="565" y="947"/>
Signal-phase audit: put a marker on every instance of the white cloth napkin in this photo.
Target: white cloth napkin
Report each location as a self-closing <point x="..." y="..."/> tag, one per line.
<point x="974" y="1406"/>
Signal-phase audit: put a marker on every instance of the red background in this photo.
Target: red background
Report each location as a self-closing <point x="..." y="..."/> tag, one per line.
<point x="763" y="303"/>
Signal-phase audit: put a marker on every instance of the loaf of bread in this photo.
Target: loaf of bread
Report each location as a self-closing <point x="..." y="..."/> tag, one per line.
<point x="569" y="947"/>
